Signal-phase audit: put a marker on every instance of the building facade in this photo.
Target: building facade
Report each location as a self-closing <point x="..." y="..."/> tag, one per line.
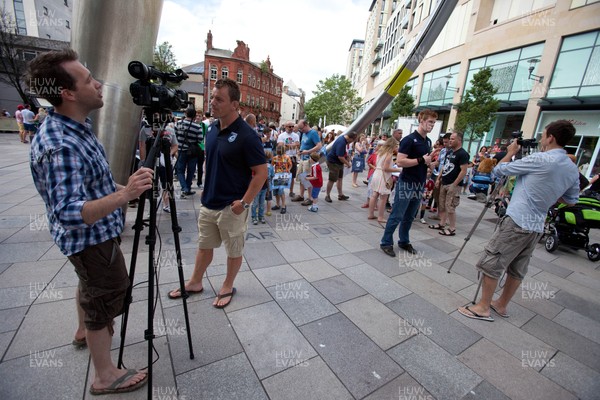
<point x="292" y="103"/>
<point x="46" y="19"/>
<point x="261" y="88"/>
<point x="544" y="56"/>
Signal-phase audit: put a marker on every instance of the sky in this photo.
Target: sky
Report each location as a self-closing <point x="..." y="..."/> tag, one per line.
<point x="306" y="40"/>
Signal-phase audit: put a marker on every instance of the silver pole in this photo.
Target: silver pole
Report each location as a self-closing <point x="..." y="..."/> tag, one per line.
<point x="108" y="34"/>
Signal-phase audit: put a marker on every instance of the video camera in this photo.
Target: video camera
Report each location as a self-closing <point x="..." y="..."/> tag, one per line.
<point x="524" y="143"/>
<point x="156" y="97"/>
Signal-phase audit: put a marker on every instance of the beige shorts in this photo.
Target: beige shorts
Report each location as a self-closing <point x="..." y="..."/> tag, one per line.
<point x="222" y="226"/>
<point x="509" y="249"/>
<point x="449" y="198"/>
<point x="303" y="166"/>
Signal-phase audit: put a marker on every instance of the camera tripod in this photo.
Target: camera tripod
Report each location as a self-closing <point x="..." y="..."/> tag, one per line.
<point x="160" y="146"/>
<point x="488" y="204"/>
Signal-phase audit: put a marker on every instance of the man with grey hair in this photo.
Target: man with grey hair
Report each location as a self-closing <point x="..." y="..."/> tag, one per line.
<point x="397" y="134"/>
<point x="337" y="159"/>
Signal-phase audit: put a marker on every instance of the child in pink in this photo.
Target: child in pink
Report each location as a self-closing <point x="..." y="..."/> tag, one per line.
<point x="316" y="180"/>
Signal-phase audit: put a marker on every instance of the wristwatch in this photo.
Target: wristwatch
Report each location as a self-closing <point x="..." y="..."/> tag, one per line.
<point x="245" y="205"/>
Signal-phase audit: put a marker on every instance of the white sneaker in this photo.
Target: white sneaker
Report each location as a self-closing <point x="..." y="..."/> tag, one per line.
<point x="423" y="221"/>
<point x="167" y="209"/>
<point x="313" y="209"/>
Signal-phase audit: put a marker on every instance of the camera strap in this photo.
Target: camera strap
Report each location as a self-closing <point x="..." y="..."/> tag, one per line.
<point x="185" y="135"/>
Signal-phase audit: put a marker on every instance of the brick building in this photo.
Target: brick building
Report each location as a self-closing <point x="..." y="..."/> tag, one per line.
<point x="260" y="88"/>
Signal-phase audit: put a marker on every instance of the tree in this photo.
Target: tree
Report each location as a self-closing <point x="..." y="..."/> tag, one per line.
<point x="12" y="66"/>
<point x="334" y="99"/>
<point x="164" y="59"/>
<point x="477" y="108"/>
<point x="403" y="104"/>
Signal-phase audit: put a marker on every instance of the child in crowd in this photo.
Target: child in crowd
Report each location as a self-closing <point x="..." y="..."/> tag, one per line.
<point x="429" y="185"/>
<point x="258" y="205"/>
<point x="372" y="163"/>
<point x="281" y="163"/>
<point x="316" y="180"/>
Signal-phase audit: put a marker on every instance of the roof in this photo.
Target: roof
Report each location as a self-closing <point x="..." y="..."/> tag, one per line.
<point x="192" y="87"/>
<point x="197" y="68"/>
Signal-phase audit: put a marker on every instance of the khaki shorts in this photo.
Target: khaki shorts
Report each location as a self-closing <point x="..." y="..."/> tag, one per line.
<point x="449" y="198"/>
<point x="509" y="249"/>
<point x="103" y="283"/>
<point x="336" y="171"/>
<point x="303" y="166"/>
<point x="222" y="226"/>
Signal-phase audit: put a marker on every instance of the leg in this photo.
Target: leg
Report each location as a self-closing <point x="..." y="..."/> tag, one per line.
<point x="339" y="183"/>
<point x="488" y="286"/>
<point x="510" y="288"/>
<point x="80" y="332"/>
<point x="233" y="267"/>
<point x="203" y="259"/>
<point x="413" y="196"/>
<point x="200" y="167"/>
<point x="398" y="210"/>
<point x="381" y="210"/>
<point x="329" y="187"/>
<point x="372" y="202"/>
<point x="191" y="168"/>
<point x="180" y="167"/>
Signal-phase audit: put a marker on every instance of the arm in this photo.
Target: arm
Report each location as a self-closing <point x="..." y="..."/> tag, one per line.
<point x="389" y="166"/>
<point x="461" y="174"/>
<point x="256" y="184"/>
<point x="403" y="161"/>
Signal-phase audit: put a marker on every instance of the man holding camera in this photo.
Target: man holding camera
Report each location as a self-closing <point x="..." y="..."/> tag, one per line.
<point x="83" y="205"/>
<point x="189" y="137"/>
<point x="542" y="179"/>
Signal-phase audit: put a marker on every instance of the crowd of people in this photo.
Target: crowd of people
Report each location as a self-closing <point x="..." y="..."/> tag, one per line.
<point x="28" y="122"/>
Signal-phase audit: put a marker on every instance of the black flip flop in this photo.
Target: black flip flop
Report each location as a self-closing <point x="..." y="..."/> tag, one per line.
<point x="223" y="296"/>
<point x="189" y="292"/>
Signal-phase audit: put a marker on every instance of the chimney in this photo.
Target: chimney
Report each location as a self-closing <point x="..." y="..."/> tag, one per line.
<point x="209" y="45"/>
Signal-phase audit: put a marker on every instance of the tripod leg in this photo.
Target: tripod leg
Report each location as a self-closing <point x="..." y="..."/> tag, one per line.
<point x="478" y="287"/>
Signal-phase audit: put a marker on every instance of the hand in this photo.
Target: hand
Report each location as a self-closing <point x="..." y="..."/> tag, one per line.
<point x="138" y="183"/>
<point x="237" y="208"/>
<point x="427" y="159"/>
<point x="513" y="148"/>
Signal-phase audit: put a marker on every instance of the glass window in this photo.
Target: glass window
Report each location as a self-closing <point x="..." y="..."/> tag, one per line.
<point x="592" y="75"/>
<point x="213" y="72"/>
<point x="224" y="72"/>
<point x="501" y="58"/>
<point x="240" y="76"/>
<point x="579" y="41"/>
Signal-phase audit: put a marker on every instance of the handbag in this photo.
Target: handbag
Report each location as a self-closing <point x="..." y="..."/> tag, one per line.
<point x="389" y="183"/>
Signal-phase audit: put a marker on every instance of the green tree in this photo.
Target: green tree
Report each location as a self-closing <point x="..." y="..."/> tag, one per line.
<point x="12" y="65"/>
<point x="403" y="104"/>
<point x="164" y="59"/>
<point x="334" y="99"/>
<point x="477" y="108"/>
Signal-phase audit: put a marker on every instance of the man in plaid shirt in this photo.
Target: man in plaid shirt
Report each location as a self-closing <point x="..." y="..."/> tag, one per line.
<point x="83" y="204"/>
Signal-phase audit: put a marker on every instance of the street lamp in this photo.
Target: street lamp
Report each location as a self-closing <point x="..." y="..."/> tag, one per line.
<point x="448" y="77"/>
<point x="532" y="63"/>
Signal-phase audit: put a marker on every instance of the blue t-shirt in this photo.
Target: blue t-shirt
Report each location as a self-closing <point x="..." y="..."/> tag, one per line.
<point x="229" y="155"/>
<point x="415" y="146"/>
<point x="338" y="149"/>
<point x="309" y="140"/>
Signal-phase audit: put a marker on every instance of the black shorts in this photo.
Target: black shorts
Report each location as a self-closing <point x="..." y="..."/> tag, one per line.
<point x="103" y="282"/>
<point x="294" y="169"/>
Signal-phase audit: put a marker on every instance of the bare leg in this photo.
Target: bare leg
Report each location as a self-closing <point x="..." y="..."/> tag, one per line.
<point x="452" y="220"/>
<point x="329" y="187"/>
<point x="203" y="259"/>
<point x="233" y="267"/>
<point x="372" y="202"/>
<point x="488" y="286"/>
<point x="381" y="209"/>
<point x="510" y="288"/>
<point x="80" y="332"/>
<point x="339" y="187"/>
<point x="99" y="342"/>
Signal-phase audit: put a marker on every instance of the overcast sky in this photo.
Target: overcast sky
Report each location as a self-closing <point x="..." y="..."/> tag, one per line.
<point x="306" y="40"/>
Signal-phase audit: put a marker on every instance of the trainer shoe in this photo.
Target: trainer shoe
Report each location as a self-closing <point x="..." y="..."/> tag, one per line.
<point x="408" y="248"/>
<point x="423" y="221"/>
<point x="254" y="221"/>
<point x="262" y="220"/>
<point x="389" y="250"/>
<point x="167" y="209"/>
<point x="313" y="208"/>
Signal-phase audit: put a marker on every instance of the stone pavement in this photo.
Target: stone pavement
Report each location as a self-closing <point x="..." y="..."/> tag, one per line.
<point x="320" y="313"/>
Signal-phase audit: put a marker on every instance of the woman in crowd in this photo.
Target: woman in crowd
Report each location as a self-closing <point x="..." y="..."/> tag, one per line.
<point x="381" y="181"/>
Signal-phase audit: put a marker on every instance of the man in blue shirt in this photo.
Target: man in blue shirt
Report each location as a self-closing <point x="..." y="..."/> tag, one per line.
<point x="337" y="159"/>
<point x="413" y="157"/>
<point x="236" y="169"/>
<point x="309" y="143"/>
<point x="542" y="179"/>
<point x="83" y="204"/>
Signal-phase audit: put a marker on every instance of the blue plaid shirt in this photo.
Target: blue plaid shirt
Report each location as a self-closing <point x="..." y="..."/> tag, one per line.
<point x="69" y="167"/>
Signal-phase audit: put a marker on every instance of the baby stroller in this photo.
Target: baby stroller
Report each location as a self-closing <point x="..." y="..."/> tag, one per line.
<point x="570" y="225"/>
<point x="480" y="184"/>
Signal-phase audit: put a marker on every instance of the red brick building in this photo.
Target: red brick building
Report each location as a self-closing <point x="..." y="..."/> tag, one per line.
<point x="260" y="88"/>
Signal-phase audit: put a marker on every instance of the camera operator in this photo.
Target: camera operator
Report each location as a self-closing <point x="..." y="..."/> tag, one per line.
<point x="542" y="179"/>
<point x="83" y="203"/>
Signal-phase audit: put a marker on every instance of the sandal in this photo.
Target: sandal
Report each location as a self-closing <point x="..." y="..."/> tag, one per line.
<point x="447" y="232"/>
<point x="439" y="227"/>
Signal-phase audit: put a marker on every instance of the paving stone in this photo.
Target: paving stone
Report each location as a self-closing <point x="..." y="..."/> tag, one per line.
<point x="432" y="322"/>
<point x="279" y="274"/>
<point x="249" y="291"/>
<point x="574" y="376"/>
<point x="45" y="367"/>
<point x="508" y="337"/>
<point x="571" y="287"/>
<point x="11" y="318"/>
<point x="580" y="324"/>
<point x="440" y="244"/>
<point x="462" y="268"/>
<point x="262" y="255"/>
<point x="36" y="275"/>
<point x="438" y="371"/>
<point x="431" y="253"/>
<point x="439" y="274"/>
<point x="403" y="387"/>
<point x="5" y="339"/>
<point x="295" y="251"/>
<point x="311" y="379"/>
<point x="353" y="243"/>
<point x="270" y="340"/>
<point x="575" y="303"/>
<point x="507" y="374"/>
<point x="563" y="339"/>
<point x="218" y="340"/>
<point x="380" y="286"/>
<point x="585" y="280"/>
<point x="344" y="261"/>
<point x="438" y="295"/>
<point x="487" y="391"/>
<point x="377" y="321"/>
<point x="321" y="230"/>
<point x="380" y="261"/>
<point x="226" y="379"/>
<point x="325" y="247"/>
<point x="315" y="270"/>
<point x="338" y="289"/>
<point x="549" y="267"/>
<point x="341" y="344"/>
<point x="301" y="301"/>
<point x="14" y="251"/>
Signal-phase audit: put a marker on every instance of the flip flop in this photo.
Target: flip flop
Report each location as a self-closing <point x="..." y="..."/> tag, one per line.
<point x="79" y="343"/>
<point x="371" y="217"/>
<point x="447" y="232"/>
<point x="114" y="387"/>
<point x="474" y="315"/>
<point x="223" y="296"/>
<point x="439" y="227"/>
<point x="497" y="312"/>
<point x="178" y="296"/>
